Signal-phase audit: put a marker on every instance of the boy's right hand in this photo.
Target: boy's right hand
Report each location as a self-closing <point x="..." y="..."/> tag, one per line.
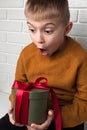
<point x="10" y="115"/>
<point x="11" y="119"/>
<point x="44" y="126"/>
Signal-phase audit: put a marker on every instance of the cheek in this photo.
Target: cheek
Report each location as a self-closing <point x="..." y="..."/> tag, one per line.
<point x="54" y="39"/>
<point x="52" y="43"/>
<point x="58" y="35"/>
<point x="55" y="42"/>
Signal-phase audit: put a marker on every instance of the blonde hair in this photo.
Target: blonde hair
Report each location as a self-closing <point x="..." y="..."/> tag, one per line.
<point x="40" y="9"/>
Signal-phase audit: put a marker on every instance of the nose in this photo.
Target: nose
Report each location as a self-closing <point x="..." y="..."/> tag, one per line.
<point x="40" y="37"/>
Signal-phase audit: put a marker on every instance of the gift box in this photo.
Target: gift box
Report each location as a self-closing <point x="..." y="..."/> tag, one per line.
<point x="37" y="107"/>
<point x="30" y="103"/>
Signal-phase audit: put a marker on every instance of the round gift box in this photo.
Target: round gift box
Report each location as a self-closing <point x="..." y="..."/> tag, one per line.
<point x="38" y="99"/>
<point x="38" y="103"/>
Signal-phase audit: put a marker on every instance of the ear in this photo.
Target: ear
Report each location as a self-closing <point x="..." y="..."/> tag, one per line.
<point x="68" y="28"/>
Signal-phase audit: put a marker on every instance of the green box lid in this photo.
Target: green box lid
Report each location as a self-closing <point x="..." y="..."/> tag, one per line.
<point x="38" y="94"/>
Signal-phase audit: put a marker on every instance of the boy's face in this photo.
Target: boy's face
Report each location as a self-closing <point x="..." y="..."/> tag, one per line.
<point x="48" y="35"/>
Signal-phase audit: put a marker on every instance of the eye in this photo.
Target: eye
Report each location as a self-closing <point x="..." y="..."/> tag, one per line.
<point x="32" y="30"/>
<point x="48" y="31"/>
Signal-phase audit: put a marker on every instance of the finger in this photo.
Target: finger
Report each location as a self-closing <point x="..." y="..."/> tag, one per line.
<point x="50" y="118"/>
<point x="10" y="115"/>
<point x="30" y="128"/>
<point x="11" y="119"/>
<point x="17" y="124"/>
<point x="10" y="110"/>
<point x="46" y="124"/>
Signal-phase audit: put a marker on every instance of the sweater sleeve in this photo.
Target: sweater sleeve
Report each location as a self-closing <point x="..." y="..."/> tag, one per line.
<point x="19" y="75"/>
<point x="76" y="113"/>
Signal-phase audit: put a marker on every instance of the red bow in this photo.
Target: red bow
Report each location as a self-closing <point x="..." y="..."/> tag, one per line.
<point x="22" y="96"/>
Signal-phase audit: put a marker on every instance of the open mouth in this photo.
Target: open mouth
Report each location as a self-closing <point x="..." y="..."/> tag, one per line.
<point x="44" y="52"/>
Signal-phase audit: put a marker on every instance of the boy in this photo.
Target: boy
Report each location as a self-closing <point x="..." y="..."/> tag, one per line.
<point x="59" y="58"/>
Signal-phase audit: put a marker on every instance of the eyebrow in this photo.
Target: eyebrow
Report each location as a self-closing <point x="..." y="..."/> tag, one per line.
<point x="44" y="24"/>
<point x="29" y="23"/>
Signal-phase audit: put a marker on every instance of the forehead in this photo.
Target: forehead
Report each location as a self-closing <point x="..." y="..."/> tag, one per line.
<point x="43" y="17"/>
<point x="43" y="22"/>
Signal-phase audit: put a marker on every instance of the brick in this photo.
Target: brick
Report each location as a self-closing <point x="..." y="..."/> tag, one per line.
<point x="4" y="103"/>
<point x="3" y="36"/>
<point x="82" y="16"/>
<point x="78" y="3"/>
<point x="79" y="30"/>
<point x="15" y="14"/>
<point x="10" y="26"/>
<point x="25" y="2"/>
<point x="5" y="68"/>
<point x="12" y="59"/>
<point x="82" y="41"/>
<point x="11" y="78"/>
<point x="6" y="74"/>
<point x="5" y="77"/>
<point x="5" y="88"/>
<point x="11" y="3"/>
<point x="18" y="38"/>
<point x="25" y="27"/>
<point x="10" y="48"/>
<point x="73" y="15"/>
<point x="3" y="58"/>
<point x="3" y="14"/>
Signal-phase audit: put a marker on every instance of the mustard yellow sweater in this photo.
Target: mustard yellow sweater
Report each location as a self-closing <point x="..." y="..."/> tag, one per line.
<point x="66" y="72"/>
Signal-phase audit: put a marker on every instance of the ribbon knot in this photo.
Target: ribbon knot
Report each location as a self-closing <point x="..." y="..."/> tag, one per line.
<point x="22" y="100"/>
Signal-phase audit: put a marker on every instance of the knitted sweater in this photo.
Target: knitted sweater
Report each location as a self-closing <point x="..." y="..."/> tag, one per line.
<point x="66" y="71"/>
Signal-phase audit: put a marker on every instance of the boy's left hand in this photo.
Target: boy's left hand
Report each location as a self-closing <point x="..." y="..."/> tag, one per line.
<point x="45" y="125"/>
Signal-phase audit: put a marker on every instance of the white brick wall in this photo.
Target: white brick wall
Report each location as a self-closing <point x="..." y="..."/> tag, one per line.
<point x="14" y="36"/>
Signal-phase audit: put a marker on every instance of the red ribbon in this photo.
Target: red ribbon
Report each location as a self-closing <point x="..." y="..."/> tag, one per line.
<point x="22" y="100"/>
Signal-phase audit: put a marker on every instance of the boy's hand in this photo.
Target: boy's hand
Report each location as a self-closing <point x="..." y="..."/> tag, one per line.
<point x="33" y="126"/>
<point x="11" y="119"/>
<point x="10" y="115"/>
<point x="45" y="125"/>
